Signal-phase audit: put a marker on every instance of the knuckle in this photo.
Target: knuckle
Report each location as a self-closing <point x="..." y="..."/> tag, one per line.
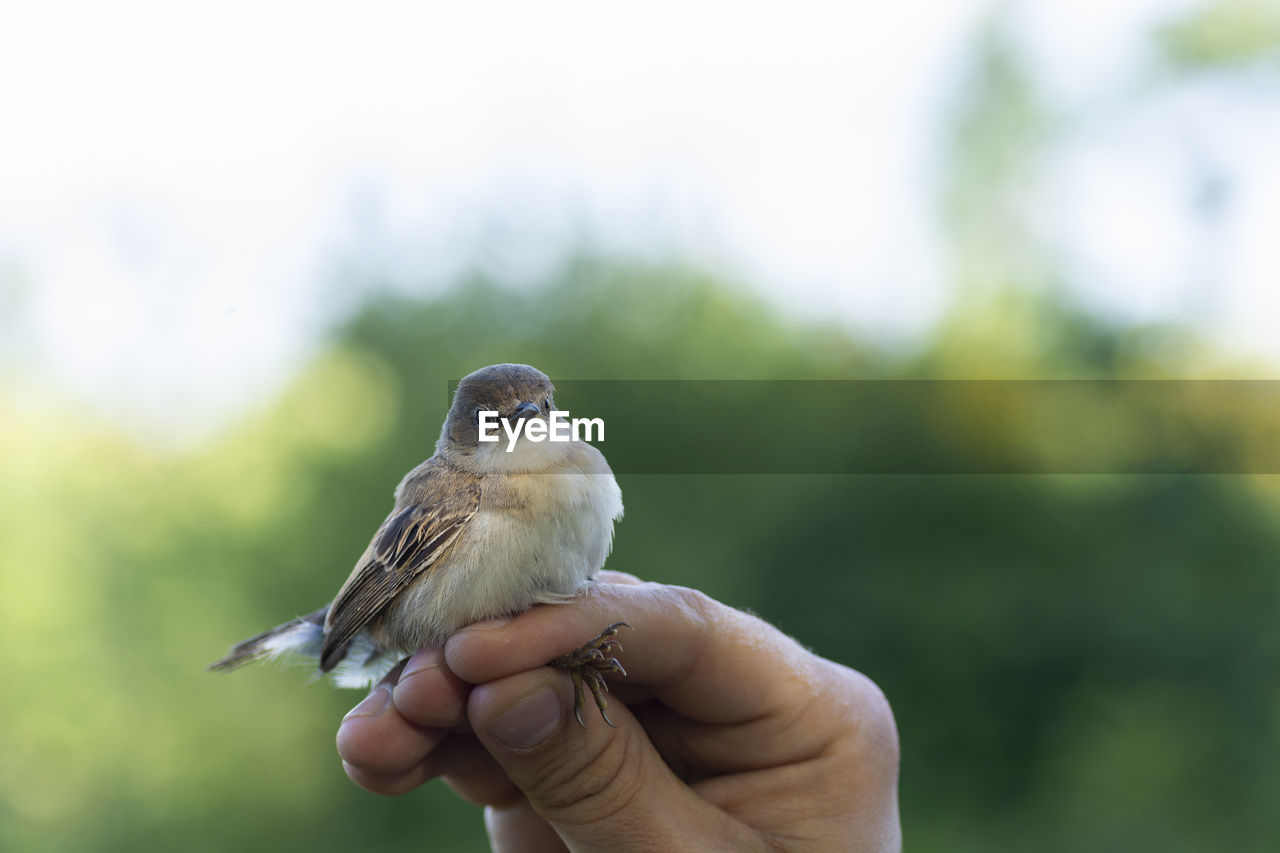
<point x="695" y="606"/>
<point x="874" y="733"/>
<point x="590" y="785"/>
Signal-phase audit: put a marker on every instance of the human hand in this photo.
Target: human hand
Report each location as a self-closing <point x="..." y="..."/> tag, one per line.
<point x="729" y="736"/>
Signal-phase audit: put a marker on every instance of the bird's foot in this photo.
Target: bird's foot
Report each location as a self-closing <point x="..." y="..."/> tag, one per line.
<point x="588" y="666"/>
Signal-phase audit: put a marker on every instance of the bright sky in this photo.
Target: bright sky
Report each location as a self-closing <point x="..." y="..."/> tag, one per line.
<point x="176" y="183"/>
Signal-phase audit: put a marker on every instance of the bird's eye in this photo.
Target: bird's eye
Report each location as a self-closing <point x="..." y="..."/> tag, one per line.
<point x="546" y="405"/>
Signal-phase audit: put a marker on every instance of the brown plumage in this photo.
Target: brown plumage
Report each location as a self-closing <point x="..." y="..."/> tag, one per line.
<point x="444" y="499"/>
<point x="475" y="532"/>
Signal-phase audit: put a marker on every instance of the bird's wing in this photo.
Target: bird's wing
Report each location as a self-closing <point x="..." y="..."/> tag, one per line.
<point x="413" y="537"/>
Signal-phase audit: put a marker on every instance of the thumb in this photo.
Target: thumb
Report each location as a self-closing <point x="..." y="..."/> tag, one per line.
<point x="599" y="788"/>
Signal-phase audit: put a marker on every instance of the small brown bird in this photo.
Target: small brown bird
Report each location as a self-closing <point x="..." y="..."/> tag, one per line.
<point x="479" y="530"/>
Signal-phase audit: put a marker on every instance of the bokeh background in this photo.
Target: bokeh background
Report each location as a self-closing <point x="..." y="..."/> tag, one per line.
<point x="244" y="248"/>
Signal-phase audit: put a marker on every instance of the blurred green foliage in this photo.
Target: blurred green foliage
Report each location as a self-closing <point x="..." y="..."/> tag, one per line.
<point x="1225" y="33"/>
<point x="1076" y="663"/>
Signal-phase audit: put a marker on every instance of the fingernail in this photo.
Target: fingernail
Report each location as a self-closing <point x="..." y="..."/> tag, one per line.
<point x="373" y="705"/>
<point x="490" y="624"/>
<point x="421" y="662"/>
<point x="530" y="721"/>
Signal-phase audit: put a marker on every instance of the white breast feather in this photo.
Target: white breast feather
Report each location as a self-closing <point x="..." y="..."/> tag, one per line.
<point x="510" y="556"/>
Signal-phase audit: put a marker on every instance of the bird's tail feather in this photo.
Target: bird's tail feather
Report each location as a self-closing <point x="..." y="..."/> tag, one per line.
<point x="302" y="636"/>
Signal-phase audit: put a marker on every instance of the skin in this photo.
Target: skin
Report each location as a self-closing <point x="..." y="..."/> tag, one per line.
<point x="729" y="734"/>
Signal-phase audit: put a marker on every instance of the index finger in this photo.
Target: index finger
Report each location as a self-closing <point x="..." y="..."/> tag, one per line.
<point x="700" y="658"/>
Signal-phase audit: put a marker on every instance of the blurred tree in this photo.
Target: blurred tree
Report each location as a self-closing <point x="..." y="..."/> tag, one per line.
<point x="1077" y="663"/>
<point x="1224" y="34"/>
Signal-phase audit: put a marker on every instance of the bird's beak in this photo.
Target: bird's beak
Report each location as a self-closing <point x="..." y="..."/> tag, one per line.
<point x="526" y="410"/>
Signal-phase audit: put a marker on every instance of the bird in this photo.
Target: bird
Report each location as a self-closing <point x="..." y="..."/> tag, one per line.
<point x="482" y="529"/>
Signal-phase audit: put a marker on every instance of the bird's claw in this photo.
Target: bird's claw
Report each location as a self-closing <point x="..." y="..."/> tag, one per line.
<point x="587" y="667"/>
